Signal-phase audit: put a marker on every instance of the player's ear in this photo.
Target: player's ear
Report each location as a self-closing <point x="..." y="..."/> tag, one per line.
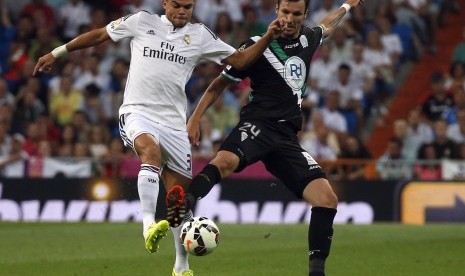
<point x="277" y="8"/>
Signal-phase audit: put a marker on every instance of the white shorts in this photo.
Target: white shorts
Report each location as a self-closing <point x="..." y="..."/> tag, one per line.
<point x="174" y="144"/>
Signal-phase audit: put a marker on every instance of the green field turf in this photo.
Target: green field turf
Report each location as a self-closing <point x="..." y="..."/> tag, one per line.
<point x="117" y="249"/>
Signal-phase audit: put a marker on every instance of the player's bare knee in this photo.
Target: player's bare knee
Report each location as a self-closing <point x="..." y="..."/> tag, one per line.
<point x="225" y="164"/>
<point x="320" y="194"/>
<point x="331" y="200"/>
<point x="149" y="154"/>
<point x="148" y="150"/>
<point x="326" y="199"/>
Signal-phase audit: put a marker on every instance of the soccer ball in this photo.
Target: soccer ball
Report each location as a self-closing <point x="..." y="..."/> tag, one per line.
<point x="200" y="236"/>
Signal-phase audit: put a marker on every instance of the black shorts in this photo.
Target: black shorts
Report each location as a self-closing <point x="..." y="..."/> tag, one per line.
<point x="277" y="146"/>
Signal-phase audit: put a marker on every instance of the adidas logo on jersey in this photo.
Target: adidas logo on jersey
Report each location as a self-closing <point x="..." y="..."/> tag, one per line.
<point x="244" y="136"/>
<point x="151" y="32"/>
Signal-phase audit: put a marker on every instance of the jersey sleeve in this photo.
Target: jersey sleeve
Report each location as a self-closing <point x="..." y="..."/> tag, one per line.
<point x="123" y="27"/>
<point x="315" y="37"/>
<point x="213" y="48"/>
<point x="232" y="74"/>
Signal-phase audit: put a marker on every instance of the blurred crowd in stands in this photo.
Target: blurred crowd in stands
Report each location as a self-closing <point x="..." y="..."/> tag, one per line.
<point x="73" y="111"/>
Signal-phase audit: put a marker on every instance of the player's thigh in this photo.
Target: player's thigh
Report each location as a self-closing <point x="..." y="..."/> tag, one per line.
<point x="139" y="133"/>
<point x="148" y="149"/>
<point x="293" y="166"/>
<point x="171" y="178"/>
<point x="176" y="151"/>
<point x="227" y="162"/>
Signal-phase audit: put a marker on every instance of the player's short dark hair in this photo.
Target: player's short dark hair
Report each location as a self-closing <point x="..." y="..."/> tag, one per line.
<point x="306" y="3"/>
<point x="345" y="66"/>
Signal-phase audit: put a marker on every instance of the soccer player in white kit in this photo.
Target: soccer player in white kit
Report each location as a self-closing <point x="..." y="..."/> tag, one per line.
<point x="164" y="51"/>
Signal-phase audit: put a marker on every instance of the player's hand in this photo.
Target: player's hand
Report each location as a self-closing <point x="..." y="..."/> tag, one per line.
<point x="354" y="3"/>
<point x="44" y="64"/>
<point x="193" y="132"/>
<point x="275" y="28"/>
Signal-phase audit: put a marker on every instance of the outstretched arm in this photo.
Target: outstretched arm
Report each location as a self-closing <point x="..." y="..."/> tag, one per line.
<point x="85" y="40"/>
<point x="330" y="22"/>
<point x="209" y="97"/>
<point x="243" y="59"/>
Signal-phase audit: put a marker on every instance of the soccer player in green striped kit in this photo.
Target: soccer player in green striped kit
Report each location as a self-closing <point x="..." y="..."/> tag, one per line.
<point x="268" y="126"/>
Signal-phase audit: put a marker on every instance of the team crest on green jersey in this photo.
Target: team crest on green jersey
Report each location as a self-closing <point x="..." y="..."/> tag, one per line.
<point x="295" y="72"/>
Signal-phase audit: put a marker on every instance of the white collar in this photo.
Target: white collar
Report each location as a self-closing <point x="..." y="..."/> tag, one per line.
<point x="165" y="20"/>
<point x="168" y="23"/>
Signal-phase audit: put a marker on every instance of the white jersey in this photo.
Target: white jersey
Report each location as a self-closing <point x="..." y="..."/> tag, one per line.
<point x="162" y="61"/>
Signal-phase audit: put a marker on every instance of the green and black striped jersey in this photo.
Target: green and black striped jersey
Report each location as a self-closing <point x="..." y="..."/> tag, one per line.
<point x="279" y="77"/>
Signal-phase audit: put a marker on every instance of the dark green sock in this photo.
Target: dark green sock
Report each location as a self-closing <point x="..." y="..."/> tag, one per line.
<point x="202" y="183"/>
<point x="320" y="234"/>
<point x="317" y="267"/>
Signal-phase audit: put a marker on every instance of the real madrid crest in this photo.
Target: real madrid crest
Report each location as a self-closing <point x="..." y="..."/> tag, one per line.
<point x="187" y="39"/>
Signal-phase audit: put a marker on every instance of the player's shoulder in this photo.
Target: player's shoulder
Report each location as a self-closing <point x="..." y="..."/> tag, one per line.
<point x="139" y="16"/>
<point x="309" y="31"/>
<point x="149" y="20"/>
<point x="249" y="42"/>
<point x="201" y="28"/>
<point x="146" y="15"/>
<point x="195" y="26"/>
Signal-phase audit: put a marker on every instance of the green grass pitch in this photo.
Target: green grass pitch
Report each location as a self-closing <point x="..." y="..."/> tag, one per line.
<point x="117" y="249"/>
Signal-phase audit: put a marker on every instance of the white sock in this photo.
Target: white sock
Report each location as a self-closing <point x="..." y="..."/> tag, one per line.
<point x="182" y="257"/>
<point x="148" y="187"/>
